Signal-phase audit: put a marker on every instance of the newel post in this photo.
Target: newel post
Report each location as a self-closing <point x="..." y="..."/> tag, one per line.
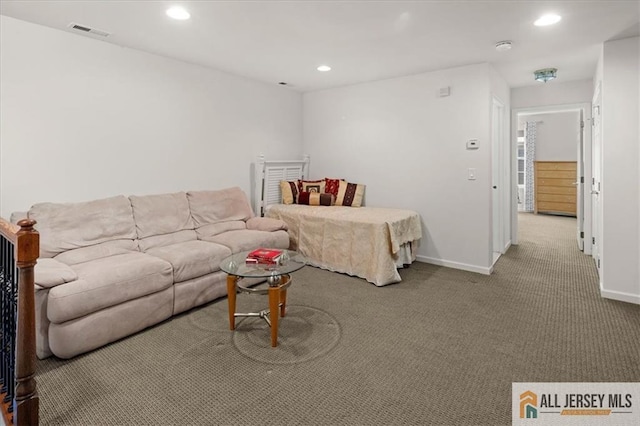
<point x="26" y="397"/>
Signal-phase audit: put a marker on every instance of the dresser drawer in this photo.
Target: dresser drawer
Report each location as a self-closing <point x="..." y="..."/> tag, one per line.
<point x="551" y="207"/>
<point x="555" y="189"/>
<point x="565" y="183"/>
<point x="556" y="174"/>
<point x="558" y="198"/>
<point x="555" y="165"/>
<point x="552" y="189"/>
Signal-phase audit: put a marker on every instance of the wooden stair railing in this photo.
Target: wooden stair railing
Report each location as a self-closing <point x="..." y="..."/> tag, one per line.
<point x="19" y="249"/>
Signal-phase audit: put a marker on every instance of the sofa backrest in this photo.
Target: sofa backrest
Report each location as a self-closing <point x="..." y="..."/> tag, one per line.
<point x="68" y="226"/>
<point x="225" y="205"/>
<point x="162" y="219"/>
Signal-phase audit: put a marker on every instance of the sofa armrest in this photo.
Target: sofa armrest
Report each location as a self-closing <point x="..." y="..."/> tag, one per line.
<point x="266" y="224"/>
<point x="50" y="273"/>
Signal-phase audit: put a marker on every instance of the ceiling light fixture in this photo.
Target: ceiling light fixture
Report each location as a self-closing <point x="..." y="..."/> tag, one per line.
<point x="545" y="74"/>
<point x="179" y="13"/>
<point x="324" y="68"/>
<point x="545" y="20"/>
<point x="503" y="46"/>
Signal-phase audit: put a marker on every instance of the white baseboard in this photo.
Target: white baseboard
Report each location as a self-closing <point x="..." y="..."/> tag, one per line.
<point x="455" y="265"/>
<point x="620" y="296"/>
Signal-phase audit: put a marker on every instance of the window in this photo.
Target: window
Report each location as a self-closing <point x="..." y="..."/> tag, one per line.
<point x="521" y="162"/>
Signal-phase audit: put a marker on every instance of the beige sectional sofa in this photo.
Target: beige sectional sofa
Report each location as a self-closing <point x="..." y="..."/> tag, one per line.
<point x="111" y="267"/>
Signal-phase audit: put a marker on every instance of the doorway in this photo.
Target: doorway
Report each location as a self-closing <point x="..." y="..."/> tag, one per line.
<point x="581" y="150"/>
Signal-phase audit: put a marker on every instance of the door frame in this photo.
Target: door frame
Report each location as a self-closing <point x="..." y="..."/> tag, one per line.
<point x="499" y="179"/>
<point x="586" y="220"/>
<point x="595" y="183"/>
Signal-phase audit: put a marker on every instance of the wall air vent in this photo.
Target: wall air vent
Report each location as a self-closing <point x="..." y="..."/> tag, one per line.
<point x="88" y="30"/>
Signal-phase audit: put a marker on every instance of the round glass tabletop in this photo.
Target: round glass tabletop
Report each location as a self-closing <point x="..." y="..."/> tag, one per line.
<point x="236" y="264"/>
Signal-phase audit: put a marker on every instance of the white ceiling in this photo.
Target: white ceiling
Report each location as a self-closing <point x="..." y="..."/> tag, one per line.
<point x="275" y="41"/>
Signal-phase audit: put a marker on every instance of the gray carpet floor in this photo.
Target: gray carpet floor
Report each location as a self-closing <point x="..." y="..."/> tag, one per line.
<point x="441" y="347"/>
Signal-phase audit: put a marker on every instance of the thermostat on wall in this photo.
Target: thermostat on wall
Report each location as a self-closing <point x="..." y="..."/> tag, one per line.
<point x="472" y="144"/>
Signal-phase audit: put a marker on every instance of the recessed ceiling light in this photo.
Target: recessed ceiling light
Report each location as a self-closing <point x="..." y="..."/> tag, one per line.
<point x="503" y="46"/>
<point x="545" y="20"/>
<point x="324" y="68"/>
<point x="178" y="13"/>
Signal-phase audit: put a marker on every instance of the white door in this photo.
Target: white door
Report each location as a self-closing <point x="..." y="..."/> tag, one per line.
<point x="596" y="168"/>
<point x="579" y="184"/>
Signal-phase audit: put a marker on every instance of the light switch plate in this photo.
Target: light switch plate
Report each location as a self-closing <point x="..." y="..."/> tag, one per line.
<point x="472" y="174"/>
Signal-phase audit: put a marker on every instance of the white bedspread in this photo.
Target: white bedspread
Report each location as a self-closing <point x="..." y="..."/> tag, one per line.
<point x="361" y="241"/>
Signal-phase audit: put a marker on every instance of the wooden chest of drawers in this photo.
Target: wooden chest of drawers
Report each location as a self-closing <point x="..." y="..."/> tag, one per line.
<point x="555" y="189"/>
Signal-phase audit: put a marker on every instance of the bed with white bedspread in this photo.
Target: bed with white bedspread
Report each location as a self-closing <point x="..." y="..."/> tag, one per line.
<point x="368" y="242"/>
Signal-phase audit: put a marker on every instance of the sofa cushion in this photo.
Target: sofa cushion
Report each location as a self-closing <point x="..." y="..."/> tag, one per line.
<point x="50" y="273"/>
<point x="69" y="226"/>
<point x="161" y="214"/>
<point x="107" y="325"/>
<point x="192" y="259"/>
<point x="106" y="249"/>
<point x="107" y="282"/>
<point x="219" y="206"/>
<point x="266" y="224"/>
<point x="166" y="240"/>
<point x="247" y="239"/>
<point x="218" y="228"/>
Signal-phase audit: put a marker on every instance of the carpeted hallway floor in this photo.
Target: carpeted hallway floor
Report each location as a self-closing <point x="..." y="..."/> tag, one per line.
<point x="441" y="347"/>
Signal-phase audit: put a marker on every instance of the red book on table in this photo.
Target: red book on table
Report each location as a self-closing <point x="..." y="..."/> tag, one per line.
<point x="264" y="255"/>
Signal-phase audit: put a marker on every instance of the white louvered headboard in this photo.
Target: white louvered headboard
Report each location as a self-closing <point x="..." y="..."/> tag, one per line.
<point x="268" y="175"/>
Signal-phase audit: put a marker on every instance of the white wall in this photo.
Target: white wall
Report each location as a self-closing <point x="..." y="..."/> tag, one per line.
<point x="557" y="135"/>
<point x="408" y="146"/>
<point x="552" y="93"/>
<point x="620" y="246"/>
<point x="83" y="119"/>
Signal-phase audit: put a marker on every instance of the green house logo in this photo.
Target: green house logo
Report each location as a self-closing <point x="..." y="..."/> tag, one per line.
<point x="528" y="405"/>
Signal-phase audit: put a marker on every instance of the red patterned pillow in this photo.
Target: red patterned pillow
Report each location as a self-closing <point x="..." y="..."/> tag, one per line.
<point x="311" y="186"/>
<point x="316" y="199"/>
<point x="331" y="186"/>
<point x="350" y="194"/>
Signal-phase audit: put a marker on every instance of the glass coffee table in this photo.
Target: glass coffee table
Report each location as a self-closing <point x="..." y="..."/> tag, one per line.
<point x="278" y="278"/>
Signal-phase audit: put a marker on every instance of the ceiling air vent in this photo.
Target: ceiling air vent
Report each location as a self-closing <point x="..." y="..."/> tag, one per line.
<point x="89" y="30"/>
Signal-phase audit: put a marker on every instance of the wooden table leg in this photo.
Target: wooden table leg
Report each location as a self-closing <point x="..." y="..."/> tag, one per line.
<point x="231" y="298"/>
<point x="283" y="296"/>
<point x="274" y="313"/>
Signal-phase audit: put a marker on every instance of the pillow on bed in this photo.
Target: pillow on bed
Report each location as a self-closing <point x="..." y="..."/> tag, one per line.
<point x="311" y="185"/>
<point x="289" y="190"/>
<point x="316" y="199"/>
<point x="350" y="194"/>
<point x="331" y="186"/>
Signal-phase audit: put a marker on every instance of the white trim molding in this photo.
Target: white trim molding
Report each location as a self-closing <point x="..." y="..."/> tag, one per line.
<point x="455" y="265"/>
<point x="620" y="296"/>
